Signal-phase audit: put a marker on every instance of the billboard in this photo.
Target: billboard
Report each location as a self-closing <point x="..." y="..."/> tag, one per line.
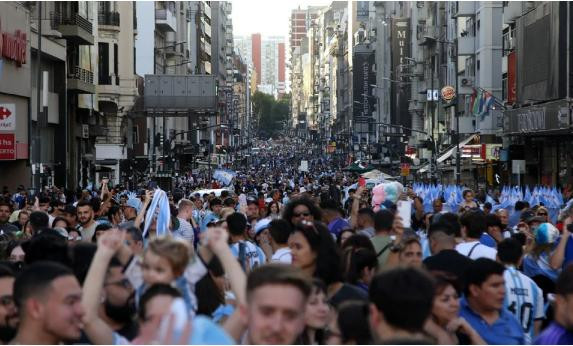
<point x="181" y="92"/>
<point x="400" y="51"/>
<point x="540" y="51"/>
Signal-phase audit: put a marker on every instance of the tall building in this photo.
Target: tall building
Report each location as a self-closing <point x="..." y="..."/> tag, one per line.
<point x="117" y="85"/>
<point x="256" y="55"/>
<point x="281" y="87"/>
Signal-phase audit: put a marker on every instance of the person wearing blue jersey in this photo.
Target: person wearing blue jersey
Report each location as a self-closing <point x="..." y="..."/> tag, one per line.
<point x="249" y="255"/>
<point x="522" y="295"/>
<point x="483" y="304"/>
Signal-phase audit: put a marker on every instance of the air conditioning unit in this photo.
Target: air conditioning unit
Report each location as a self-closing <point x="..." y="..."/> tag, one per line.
<point x="467" y="81"/>
<point x="85" y="131"/>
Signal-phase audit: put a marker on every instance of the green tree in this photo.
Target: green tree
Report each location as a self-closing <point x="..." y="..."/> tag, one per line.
<point x="270" y="114"/>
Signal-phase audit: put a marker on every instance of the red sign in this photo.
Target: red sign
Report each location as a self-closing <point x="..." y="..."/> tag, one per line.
<point x="13" y="46"/>
<point x="511" y="81"/>
<point x="7" y="146"/>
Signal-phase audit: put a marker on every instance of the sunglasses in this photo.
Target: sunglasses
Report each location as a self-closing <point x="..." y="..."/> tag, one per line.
<point x="541" y="214"/>
<point x="301" y="214"/>
<point x="6" y="300"/>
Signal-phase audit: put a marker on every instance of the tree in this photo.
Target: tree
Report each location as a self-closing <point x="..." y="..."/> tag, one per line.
<point x="270" y="114"/>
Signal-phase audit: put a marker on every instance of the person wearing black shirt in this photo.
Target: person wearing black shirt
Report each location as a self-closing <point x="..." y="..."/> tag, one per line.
<point x="441" y="237"/>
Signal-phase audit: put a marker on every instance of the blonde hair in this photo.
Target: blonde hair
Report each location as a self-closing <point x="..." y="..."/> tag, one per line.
<point x="175" y="251"/>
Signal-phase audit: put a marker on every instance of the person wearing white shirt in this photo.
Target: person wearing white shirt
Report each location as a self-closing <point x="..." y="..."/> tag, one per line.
<point x="280" y="231"/>
<point x="473" y="226"/>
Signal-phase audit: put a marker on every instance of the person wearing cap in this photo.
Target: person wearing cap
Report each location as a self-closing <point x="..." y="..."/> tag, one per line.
<point x="131" y="209"/>
<point x="538" y="260"/>
<point x="262" y="237"/>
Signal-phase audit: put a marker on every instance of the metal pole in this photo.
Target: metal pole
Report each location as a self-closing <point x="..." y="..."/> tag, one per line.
<point x="36" y="149"/>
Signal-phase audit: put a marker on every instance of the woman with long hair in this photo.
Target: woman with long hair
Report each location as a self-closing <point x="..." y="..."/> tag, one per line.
<point x="314" y="251"/>
<point x="301" y="209"/>
<point x="445" y="324"/>
<point x="273" y="210"/>
<point x="316" y="315"/>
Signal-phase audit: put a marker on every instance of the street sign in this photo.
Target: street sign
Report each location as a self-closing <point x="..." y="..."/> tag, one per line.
<point x="432" y="95"/>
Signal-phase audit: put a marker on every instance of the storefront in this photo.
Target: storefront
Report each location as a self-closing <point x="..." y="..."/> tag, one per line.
<point x="541" y="138"/>
<point x="15" y="93"/>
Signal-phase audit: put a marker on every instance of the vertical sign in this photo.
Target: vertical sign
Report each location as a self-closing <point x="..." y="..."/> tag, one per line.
<point x="363" y="79"/>
<point x="511" y="82"/>
<point x="400" y="51"/>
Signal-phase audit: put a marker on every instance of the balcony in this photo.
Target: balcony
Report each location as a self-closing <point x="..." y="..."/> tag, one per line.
<point x="81" y="81"/>
<point x="466" y="46"/>
<point x="108" y="19"/>
<point x="73" y="28"/>
<point x="465" y="9"/>
<point x="165" y="20"/>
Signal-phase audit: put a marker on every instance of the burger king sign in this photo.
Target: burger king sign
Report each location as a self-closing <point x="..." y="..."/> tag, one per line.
<point x="448" y="93"/>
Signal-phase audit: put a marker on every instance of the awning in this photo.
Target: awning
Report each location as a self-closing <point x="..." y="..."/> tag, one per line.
<point x="443" y="157"/>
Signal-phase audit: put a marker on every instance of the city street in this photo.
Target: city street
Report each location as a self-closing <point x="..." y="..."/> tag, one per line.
<point x="286" y="172"/>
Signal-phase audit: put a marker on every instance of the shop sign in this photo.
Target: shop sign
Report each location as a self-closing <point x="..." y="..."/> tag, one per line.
<point x="551" y="116"/>
<point x="448" y="93"/>
<point x="13" y="46"/>
<point x="7" y="117"/>
<point x="7" y="146"/>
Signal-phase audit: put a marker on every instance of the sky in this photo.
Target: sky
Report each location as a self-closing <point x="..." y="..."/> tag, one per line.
<point x="268" y="17"/>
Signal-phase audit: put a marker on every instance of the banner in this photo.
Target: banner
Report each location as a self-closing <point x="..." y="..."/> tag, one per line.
<point x="511" y="82"/>
<point x="400" y="50"/>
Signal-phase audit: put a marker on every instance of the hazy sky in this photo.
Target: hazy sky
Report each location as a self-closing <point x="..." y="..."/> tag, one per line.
<point x="268" y="17"/>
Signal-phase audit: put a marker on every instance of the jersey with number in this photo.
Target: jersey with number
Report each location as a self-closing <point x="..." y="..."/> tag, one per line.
<point x="524" y="299"/>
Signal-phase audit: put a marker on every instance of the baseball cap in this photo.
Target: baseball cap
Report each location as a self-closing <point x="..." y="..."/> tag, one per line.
<point x="261" y="225"/>
<point x="526" y="215"/>
<point x="546" y="233"/>
<point x="134" y="203"/>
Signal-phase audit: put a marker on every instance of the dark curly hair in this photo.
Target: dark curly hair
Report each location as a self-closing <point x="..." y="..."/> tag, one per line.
<point x="328" y="264"/>
<point x="288" y="211"/>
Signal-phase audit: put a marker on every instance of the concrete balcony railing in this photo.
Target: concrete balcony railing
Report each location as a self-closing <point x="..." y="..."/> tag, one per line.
<point x="165" y="20"/>
<point x="81" y="80"/>
<point x="73" y="28"/>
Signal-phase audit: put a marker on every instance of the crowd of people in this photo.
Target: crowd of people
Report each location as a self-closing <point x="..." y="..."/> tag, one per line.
<point x="282" y="256"/>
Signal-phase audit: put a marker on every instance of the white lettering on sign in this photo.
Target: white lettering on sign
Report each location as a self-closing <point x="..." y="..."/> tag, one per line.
<point x="532" y="120"/>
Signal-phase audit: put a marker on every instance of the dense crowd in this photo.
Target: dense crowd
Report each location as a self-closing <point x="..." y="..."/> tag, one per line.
<point x="281" y="256"/>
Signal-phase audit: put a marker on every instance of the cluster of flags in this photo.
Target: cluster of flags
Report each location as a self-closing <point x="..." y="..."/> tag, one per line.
<point x="224" y="176"/>
<point x="481" y="101"/>
<point x="550" y="197"/>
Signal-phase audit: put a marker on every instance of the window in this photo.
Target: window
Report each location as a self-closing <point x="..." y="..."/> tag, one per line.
<point x="103" y="63"/>
<point x="477" y="65"/>
<point x="116" y="63"/>
<point x="135" y="135"/>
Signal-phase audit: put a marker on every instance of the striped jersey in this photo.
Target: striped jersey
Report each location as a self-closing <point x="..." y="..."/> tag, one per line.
<point x="524" y="299"/>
